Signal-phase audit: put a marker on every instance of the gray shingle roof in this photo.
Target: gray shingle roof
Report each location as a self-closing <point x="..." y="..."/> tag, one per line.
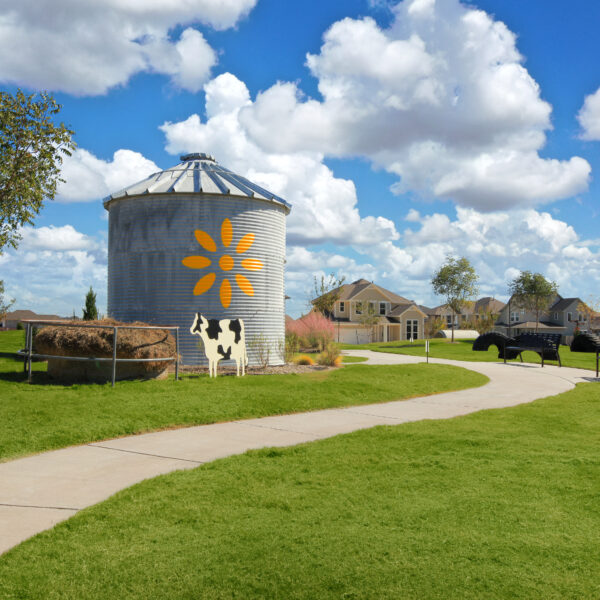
<point x="197" y="174"/>
<point x="563" y="304"/>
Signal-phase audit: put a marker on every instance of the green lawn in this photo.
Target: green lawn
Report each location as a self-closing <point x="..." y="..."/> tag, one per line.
<point x="45" y="416"/>
<point x="498" y="504"/>
<point x="353" y="359"/>
<point x="462" y="350"/>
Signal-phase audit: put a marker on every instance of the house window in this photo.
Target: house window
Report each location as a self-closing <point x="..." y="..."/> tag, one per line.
<point x="569" y="316"/>
<point x="514" y="316"/>
<point x="556" y="316"/>
<point x="342" y="307"/>
<point x="382" y="308"/>
<point x="358" y="308"/>
<point x="449" y="320"/>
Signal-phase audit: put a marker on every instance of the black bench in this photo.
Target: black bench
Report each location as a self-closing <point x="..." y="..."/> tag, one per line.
<point x="587" y="342"/>
<point x="545" y="344"/>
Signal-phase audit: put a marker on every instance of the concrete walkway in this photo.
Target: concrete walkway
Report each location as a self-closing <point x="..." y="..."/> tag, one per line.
<point x="39" y="491"/>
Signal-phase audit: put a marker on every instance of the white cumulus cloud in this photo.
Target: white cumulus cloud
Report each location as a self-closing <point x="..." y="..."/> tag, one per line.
<point x="53" y="269"/>
<point x="89" y="178"/>
<point x="441" y="98"/>
<point x="324" y="206"/>
<point x="86" y="47"/>
<point x="589" y="117"/>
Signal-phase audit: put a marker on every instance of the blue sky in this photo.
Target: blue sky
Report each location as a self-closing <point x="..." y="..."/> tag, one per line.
<point x="399" y="131"/>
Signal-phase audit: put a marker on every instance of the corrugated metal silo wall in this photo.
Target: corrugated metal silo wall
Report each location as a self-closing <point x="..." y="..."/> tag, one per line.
<point x="150" y="235"/>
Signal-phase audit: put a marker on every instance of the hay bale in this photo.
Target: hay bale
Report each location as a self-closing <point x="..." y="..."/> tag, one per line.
<point x="98" y="343"/>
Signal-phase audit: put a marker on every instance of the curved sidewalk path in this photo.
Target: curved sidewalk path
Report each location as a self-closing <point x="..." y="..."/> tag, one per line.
<point x="39" y="491"/>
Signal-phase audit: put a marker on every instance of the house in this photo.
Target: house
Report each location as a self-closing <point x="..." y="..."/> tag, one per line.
<point x="11" y="319"/>
<point x="563" y="316"/>
<point x="366" y="312"/>
<point x="471" y="312"/>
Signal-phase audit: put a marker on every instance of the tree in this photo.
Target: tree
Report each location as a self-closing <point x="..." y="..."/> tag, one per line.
<point x="368" y="318"/>
<point x="90" y="312"/>
<point x="533" y="292"/>
<point x="5" y="303"/>
<point x="456" y="280"/>
<point x="591" y="310"/>
<point x="327" y="293"/>
<point x="31" y="151"/>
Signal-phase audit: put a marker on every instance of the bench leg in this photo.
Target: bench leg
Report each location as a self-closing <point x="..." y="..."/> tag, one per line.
<point x="521" y="356"/>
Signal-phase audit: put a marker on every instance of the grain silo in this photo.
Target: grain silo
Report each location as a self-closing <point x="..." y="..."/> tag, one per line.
<point x="199" y="238"/>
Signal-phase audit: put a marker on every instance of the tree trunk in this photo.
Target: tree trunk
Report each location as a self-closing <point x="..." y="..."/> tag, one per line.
<point x="453" y="320"/>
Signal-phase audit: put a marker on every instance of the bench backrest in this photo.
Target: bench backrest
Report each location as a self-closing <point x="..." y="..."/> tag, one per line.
<point x="551" y="340"/>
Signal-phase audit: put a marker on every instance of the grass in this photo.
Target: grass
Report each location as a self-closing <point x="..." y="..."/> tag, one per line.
<point x="462" y="350"/>
<point x="46" y="416"/>
<point x="497" y="504"/>
<point x="353" y="359"/>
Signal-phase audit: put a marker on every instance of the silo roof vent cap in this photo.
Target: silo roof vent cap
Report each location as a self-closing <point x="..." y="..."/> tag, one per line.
<point x="197" y="156"/>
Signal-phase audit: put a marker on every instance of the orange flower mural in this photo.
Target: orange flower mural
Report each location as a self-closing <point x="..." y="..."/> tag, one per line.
<point x="226" y="263"/>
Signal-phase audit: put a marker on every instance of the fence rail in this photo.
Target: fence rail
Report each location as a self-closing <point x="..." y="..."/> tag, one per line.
<point x="114" y="360"/>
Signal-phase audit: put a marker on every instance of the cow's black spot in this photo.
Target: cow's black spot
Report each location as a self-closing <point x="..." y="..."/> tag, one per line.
<point x="225" y="355"/>
<point x="197" y="324"/>
<point x="214" y="329"/>
<point x="236" y="327"/>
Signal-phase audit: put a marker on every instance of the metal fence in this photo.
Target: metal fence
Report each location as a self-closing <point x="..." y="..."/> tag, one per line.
<point x="30" y="354"/>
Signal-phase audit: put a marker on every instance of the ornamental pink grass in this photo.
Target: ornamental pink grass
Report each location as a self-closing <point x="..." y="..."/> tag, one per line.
<point x="314" y="330"/>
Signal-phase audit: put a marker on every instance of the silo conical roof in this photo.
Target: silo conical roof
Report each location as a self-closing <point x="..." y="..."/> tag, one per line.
<point x="197" y="173"/>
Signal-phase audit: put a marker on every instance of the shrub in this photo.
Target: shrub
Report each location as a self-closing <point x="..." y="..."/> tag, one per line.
<point x="433" y="325"/>
<point x="259" y="346"/>
<point x="291" y="346"/>
<point x="304" y="359"/>
<point x="20" y="326"/>
<point x="330" y="355"/>
<point x="313" y="330"/>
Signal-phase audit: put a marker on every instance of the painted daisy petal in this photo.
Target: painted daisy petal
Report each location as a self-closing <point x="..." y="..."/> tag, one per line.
<point x="245" y="243"/>
<point x="196" y="262"/>
<point x="204" y="284"/>
<point x="244" y="285"/>
<point x="225" y="293"/>
<point x="226" y="232"/>
<point x="252" y="264"/>
<point x="205" y="240"/>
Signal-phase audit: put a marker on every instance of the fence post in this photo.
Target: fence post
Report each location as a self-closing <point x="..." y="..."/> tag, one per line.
<point x="177" y="354"/>
<point x="114" y="361"/>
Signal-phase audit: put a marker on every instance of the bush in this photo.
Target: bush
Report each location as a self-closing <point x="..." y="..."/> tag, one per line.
<point x="330" y="356"/>
<point x="20" y="326"/>
<point x="259" y="346"/>
<point x="291" y="346"/>
<point x="312" y="331"/>
<point x="433" y="325"/>
<point x="304" y="359"/>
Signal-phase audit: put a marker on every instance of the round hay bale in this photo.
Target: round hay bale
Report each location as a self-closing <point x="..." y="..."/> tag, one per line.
<point x="98" y="343"/>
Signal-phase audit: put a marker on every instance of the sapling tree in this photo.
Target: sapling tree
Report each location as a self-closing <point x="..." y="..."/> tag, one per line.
<point x="326" y="293"/>
<point x="456" y="280"/>
<point x="533" y="292"/>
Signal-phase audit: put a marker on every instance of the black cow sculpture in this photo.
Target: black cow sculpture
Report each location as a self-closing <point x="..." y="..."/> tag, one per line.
<point x="223" y="339"/>
<point x="493" y="338"/>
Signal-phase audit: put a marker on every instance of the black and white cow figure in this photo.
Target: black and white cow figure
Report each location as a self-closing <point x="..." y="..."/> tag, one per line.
<point x="222" y="340"/>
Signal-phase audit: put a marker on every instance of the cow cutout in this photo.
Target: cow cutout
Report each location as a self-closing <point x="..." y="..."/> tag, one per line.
<point x="223" y="339"/>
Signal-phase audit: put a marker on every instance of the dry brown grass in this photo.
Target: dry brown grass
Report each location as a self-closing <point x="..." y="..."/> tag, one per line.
<point x="83" y="341"/>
